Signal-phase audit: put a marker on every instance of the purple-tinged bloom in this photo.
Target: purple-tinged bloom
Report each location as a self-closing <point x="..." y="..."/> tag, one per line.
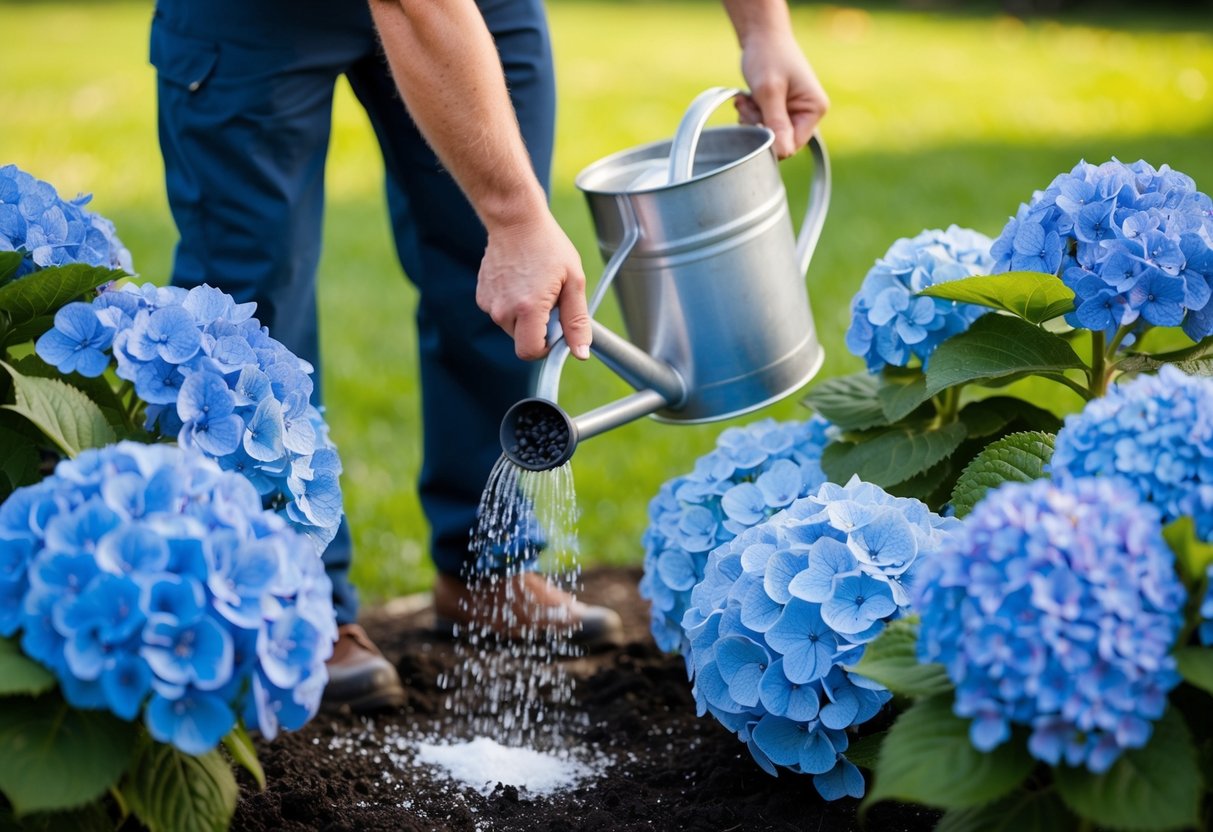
<point x="786" y="606"/>
<point x="752" y="473"/>
<point x="890" y="322"/>
<point x="1132" y="242"/>
<point x="1080" y="612"/>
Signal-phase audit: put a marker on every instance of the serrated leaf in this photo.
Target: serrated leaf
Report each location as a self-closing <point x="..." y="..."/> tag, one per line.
<point x="927" y="485"/>
<point x="1154" y="788"/>
<point x="1196" y="666"/>
<point x="1194" y="360"/>
<point x="865" y="751"/>
<point x="1193" y="556"/>
<point x="1020" y="457"/>
<point x="997" y="347"/>
<point x="927" y="758"/>
<point x="98" y="389"/>
<point x="45" y="291"/>
<point x="69" y="418"/>
<point x="170" y="791"/>
<point x="892" y="456"/>
<point x="10" y="261"/>
<point x="900" y="400"/>
<point x="849" y="402"/>
<point x="1033" y="296"/>
<point x="1017" y="812"/>
<point x="20" y="674"/>
<point x="892" y="660"/>
<point x="240" y="745"/>
<point x="28" y="331"/>
<point x="58" y="757"/>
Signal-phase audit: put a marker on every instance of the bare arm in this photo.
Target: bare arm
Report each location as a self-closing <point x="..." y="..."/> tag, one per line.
<point x="448" y="72"/>
<point x="785" y="94"/>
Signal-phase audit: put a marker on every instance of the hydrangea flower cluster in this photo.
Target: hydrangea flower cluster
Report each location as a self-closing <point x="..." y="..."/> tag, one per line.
<point x="52" y="231"/>
<point x="752" y="473"/>
<point x="151" y="581"/>
<point x="1134" y="243"/>
<point x="1056" y="608"/>
<point x="785" y="606"/>
<point x="890" y="324"/>
<point x="1157" y="433"/>
<point x="214" y="379"/>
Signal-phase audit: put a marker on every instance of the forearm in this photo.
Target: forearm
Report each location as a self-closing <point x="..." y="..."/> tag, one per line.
<point x="449" y="75"/>
<point x="761" y="18"/>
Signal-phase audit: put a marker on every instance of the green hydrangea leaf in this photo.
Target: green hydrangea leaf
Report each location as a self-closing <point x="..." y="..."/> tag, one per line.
<point x="865" y="751"/>
<point x="1193" y="556"/>
<point x="1196" y="666"/>
<point x="58" y="757"/>
<point x="240" y="745"/>
<point x="20" y="674"/>
<point x="66" y="415"/>
<point x="927" y="758"/>
<point x="998" y="347"/>
<point x="1033" y="296"/>
<point x="10" y="261"/>
<point x="171" y="791"/>
<point x="1020" y="457"/>
<point x="44" y="292"/>
<point x="900" y="400"/>
<point x="892" y="660"/>
<point x="1152" y="789"/>
<point x="892" y="456"/>
<point x="849" y="402"/>
<point x="1017" y="812"/>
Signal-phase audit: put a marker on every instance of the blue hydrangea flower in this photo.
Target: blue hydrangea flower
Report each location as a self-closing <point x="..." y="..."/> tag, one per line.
<point x="752" y="473"/>
<point x="1156" y="432"/>
<point x="1056" y="608"/>
<point x="152" y="582"/>
<point x="1135" y="244"/>
<point x="890" y="323"/>
<point x="51" y="231"/>
<point x="787" y="605"/>
<point x="213" y="379"/>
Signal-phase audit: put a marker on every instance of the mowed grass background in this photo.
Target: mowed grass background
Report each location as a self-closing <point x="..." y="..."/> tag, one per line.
<point x="936" y="119"/>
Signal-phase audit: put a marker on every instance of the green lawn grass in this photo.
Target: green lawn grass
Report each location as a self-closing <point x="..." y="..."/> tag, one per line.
<point x="936" y="120"/>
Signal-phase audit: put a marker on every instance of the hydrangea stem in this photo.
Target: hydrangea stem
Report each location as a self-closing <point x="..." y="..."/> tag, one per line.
<point x="1098" y="374"/>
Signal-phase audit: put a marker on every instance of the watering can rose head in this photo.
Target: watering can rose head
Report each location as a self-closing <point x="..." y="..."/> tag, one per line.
<point x="1134" y="243"/>
<point x="51" y="231"/>
<point x="753" y="473"/>
<point x="212" y="378"/>
<point x="153" y="583"/>
<point x="890" y="324"/>
<point x="1056" y="608"/>
<point x="787" y="605"/>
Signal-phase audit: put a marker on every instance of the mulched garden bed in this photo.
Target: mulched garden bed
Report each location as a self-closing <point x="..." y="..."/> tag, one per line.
<point x="669" y="770"/>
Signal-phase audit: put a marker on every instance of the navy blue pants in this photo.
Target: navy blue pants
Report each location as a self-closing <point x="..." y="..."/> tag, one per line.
<point x="245" y="93"/>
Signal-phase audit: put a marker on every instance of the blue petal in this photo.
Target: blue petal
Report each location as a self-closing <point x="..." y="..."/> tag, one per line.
<point x="736" y="652"/>
<point x="887" y="541"/>
<point x="844" y="780"/>
<point x="758" y="611"/>
<point x="781" y="484"/>
<point x="827" y="558"/>
<point x="194" y="723"/>
<point x="263" y="440"/>
<point x="781" y="568"/>
<point x="676" y="569"/>
<point x="817" y="755"/>
<point x="744" y="503"/>
<point x="780" y="739"/>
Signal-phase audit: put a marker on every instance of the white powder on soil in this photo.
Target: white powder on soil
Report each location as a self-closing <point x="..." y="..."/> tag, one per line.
<point x="483" y="763"/>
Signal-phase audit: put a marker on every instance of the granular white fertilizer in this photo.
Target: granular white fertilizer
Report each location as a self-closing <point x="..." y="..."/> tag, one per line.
<point x="483" y="763"/>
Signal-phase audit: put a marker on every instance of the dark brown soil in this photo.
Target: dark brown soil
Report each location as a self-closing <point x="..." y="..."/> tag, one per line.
<point x="670" y="771"/>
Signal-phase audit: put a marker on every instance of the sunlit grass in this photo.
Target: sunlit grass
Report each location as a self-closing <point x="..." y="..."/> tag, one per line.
<point x="936" y="120"/>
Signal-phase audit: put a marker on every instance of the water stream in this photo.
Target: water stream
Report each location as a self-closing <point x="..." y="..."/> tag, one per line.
<point x="516" y="691"/>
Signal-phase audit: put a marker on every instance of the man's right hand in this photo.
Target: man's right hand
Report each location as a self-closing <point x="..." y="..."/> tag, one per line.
<point x="530" y="267"/>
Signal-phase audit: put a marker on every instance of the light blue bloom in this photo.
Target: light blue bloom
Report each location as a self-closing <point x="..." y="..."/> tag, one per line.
<point x="1133" y="242"/>
<point x="752" y="473"/>
<point x="155" y="585"/>
<point x="890" y="322"/>
<point x="213" y="379"/>
<point x="1057" y="608"/>
<point x="786" y="605"/>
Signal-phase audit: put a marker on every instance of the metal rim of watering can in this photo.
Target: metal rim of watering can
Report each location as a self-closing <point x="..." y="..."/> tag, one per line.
<point x="508" y="437"/>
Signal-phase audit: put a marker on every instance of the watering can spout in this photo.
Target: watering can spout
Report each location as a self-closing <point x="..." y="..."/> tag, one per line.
<point x="538" y="434"/>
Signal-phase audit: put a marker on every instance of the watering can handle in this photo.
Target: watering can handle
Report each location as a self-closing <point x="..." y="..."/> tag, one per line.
<point x="682" y="166"/>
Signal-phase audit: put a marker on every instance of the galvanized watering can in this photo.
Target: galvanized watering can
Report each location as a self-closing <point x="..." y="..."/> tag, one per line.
<point x="709" y="275"/>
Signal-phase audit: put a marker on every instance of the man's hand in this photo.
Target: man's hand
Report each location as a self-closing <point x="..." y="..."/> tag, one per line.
<point x="785" y="94"/>
<point x="530" y="268"/>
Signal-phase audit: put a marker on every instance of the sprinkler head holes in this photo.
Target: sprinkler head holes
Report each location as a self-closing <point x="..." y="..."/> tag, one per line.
<point x="537" y="435"/>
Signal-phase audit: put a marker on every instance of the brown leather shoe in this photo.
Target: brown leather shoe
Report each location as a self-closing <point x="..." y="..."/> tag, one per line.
<point x="359" y="676"/>
<point x="512" y="607"/>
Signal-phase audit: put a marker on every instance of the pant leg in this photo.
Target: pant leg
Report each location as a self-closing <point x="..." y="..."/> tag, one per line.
<point x="244" y="131"/>
<point x="469" y="372"/>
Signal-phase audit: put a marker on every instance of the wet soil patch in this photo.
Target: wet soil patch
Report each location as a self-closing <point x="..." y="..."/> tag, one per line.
<point x="663" y="768"/>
